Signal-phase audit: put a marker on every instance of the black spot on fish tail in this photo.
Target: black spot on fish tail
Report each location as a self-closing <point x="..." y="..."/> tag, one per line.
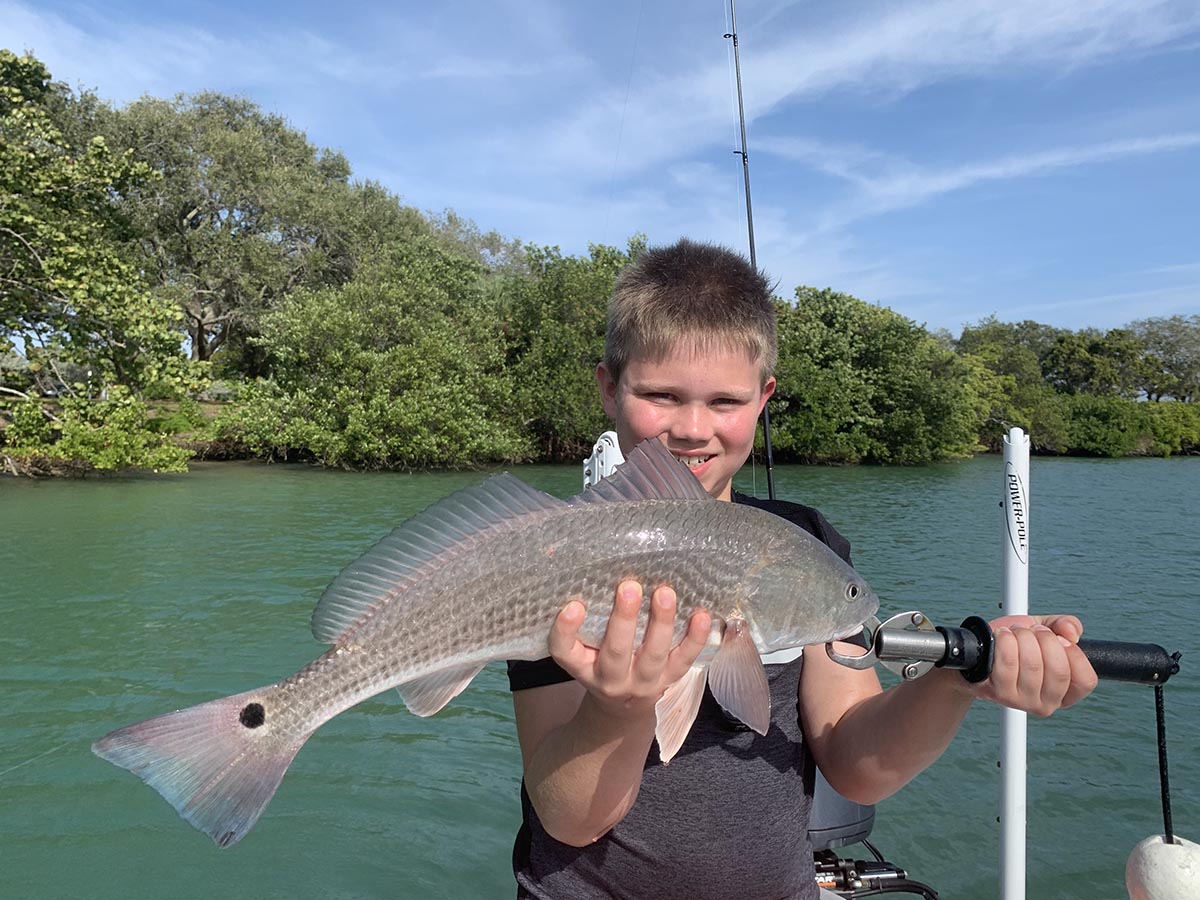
<point x="252" y="715"/>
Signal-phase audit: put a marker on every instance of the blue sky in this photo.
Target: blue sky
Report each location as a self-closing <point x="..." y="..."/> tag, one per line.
<point x="950" y="159"/>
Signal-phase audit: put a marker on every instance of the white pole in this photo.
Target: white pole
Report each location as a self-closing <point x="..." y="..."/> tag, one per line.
<point x="1015" y="602"/>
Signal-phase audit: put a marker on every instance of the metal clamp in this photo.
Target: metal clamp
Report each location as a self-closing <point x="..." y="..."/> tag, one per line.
<point x="899" y="630"/>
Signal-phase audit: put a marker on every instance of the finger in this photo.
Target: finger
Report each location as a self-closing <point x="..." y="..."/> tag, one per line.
<point x="1068" y="627"/>
<point x="683" y="656"/>
<point x="1056" y="670"/>
<point x="1030" y="672"/>
<point x="656" y="643"/>
<point x="564" y="644"/>
<point x="616" y="650"/>
<point x="1083" y="676"/>
<point x="1003" y="679"/>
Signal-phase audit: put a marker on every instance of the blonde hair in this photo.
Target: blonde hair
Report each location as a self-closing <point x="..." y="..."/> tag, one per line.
<point x="690" y="294"/>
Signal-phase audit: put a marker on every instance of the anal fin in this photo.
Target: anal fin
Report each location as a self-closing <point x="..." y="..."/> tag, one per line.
<point x="737" y="679"/>
<point x="425" y="696"/>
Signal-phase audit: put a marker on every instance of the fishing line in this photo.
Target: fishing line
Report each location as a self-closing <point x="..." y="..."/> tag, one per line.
<point x="34" y="759"/>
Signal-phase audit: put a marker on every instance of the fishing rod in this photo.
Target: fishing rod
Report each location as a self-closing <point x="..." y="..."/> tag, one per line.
<point x="745" y="155"/>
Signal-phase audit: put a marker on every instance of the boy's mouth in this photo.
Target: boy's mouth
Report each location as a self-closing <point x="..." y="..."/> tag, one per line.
<point x="692" y="461"/>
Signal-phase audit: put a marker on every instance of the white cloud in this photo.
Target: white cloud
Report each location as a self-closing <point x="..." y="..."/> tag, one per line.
<point x="125" y="59"/>
<point x="888" y="49"/>
<point x="886" y="184"/>
<point x="1111" y="310"/>
<point x="1187" y="268"/>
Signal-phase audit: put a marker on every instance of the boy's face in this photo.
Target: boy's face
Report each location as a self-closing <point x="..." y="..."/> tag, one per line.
<point x="703" y="407"/>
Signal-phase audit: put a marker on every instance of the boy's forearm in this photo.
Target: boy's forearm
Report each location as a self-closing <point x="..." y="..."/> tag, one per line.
<point x="585" y="775"/>
<point x="869" y="743"/>
<point x="884" y="741"/>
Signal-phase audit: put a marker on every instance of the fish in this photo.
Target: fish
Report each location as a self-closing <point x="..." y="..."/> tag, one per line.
<point x="480" y="576"/>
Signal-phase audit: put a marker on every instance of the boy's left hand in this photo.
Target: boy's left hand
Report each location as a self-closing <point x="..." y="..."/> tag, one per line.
<point x="1038" y="668"/>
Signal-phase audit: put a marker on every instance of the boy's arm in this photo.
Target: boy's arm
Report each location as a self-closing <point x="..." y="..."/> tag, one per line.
<point x="584" y="743"/>
<point x="869" y="743"/>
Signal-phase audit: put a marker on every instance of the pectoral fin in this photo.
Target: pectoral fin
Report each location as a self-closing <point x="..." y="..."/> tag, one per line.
<point x="427" y="695"/>
<point x="737" y="679"/>
<point x="676" y="711"/>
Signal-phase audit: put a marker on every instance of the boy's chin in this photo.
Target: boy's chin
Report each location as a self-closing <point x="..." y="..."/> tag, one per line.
<point x="717" y="486"/>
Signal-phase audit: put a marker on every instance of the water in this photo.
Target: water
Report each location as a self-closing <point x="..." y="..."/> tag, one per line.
<point x="124" y="598"/>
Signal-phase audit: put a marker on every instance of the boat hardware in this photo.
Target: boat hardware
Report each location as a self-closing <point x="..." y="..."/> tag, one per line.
<point x="909" y="645"/>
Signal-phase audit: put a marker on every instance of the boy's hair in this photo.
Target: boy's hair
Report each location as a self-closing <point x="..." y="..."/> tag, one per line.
<point x="701" y="294"/>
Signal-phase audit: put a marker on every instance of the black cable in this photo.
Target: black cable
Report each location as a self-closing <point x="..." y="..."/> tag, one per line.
<point x="1164" y="783"/>
<point x="900" y="886"/>
<point x="871" y="847"/>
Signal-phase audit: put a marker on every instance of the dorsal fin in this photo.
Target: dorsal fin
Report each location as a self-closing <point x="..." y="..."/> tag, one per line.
<point x="650" y="472"/>
<point x="386" y="569"/>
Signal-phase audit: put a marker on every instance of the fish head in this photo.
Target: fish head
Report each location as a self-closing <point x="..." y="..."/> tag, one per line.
<point x="860" y="604"/>
<point x="809" y="595"/>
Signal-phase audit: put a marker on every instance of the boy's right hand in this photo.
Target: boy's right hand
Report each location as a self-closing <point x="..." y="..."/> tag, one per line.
<point x="624" y="680"/>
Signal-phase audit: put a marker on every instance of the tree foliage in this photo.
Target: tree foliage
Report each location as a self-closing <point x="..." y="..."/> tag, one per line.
<point x="460" y="236"/>
<point x="239" y="215"/>
<point x="553" y="320"/>
<point x="110" y="434"/>
<point x="70" y="300"/>
<point x="1172" y="361"/>
<point x="861" y="382"/>
<point x="1174" y="428"/>
<point x="398" y="368"/>
<point x="66" y="290"/>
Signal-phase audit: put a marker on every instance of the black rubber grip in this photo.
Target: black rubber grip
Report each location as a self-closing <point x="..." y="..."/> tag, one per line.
<point x="1137" y="663"/>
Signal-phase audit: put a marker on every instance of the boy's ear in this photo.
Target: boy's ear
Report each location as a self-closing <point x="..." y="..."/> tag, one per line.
<point x="768" y="389"/>
<point x="608" y="391"/>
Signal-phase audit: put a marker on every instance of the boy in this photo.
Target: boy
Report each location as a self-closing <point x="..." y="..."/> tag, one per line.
<point x="688" y="359"/>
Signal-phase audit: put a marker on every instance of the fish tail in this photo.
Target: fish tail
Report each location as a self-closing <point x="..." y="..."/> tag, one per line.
<point x="218" y="763"/>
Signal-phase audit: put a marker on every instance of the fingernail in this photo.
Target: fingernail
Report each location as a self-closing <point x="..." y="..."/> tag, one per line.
<point x="666" y="598"/>
<point x="1062" y="640"/>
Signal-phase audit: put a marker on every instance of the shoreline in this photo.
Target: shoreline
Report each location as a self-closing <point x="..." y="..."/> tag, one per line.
<point x="218" y="452"/>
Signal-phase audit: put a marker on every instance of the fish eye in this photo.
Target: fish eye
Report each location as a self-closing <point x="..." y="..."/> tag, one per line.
<point x="852" y="591"/>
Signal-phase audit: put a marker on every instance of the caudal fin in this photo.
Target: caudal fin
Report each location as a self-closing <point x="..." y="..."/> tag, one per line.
<point x="218" y="763"/>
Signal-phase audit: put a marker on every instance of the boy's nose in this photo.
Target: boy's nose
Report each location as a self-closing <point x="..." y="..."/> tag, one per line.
<point x="692" y="424"/>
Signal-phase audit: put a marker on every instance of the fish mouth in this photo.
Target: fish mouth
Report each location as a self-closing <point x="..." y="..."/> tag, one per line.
<point x="851" y="632"/>
<point x="692" y="461"/>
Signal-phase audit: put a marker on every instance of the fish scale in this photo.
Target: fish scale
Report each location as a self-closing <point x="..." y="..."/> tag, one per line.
<point x="481" y="576"/>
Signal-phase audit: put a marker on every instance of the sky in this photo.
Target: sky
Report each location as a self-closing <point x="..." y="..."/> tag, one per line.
<point x="950" y="159"/>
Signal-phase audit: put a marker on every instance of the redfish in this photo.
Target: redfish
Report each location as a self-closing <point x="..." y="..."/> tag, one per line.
<point x="481" y="576"/>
